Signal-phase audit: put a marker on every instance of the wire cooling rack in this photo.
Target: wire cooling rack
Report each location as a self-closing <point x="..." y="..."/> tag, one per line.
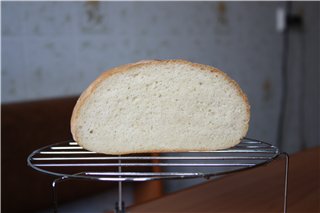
<point x="82" y="163"/>
<point x="69" y="160"/>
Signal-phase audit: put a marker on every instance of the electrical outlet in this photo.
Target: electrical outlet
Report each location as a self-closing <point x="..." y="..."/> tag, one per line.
<point x="286" y="20"/>
<point x="281" y="22"/>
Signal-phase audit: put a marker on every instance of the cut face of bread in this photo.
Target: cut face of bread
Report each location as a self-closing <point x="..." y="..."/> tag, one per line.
<point x="160" y="106"/>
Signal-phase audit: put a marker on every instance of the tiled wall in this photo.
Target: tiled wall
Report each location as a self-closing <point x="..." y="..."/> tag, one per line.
<point x="52" y="49"/>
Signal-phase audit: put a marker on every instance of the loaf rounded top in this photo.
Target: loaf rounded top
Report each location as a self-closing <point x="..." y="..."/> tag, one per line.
<point x="106" y="101"/>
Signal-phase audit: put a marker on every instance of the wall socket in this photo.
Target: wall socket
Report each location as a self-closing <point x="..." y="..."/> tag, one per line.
<point x="286" y="20"/>
<point x="281" y="19"/>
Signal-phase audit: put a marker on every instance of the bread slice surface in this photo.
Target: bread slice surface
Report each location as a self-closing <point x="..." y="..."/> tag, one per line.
<point x="160" y="106"/>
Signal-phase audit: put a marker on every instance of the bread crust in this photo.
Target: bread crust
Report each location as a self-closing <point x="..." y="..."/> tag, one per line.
<point x="127" y="67"/>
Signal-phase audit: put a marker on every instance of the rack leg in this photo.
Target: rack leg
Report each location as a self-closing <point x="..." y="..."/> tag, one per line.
<point x="55" y="194"/>
<point x="286" y="175"/>
<point x="120" y="204"/>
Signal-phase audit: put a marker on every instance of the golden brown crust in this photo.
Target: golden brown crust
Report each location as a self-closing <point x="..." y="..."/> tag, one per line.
<point x="128" y="67"/>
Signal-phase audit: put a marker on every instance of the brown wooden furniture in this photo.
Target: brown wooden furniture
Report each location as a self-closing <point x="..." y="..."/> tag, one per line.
<point x="255" y="190"/>
<point x="25" y="127"/>
<point x="31" y="125"/>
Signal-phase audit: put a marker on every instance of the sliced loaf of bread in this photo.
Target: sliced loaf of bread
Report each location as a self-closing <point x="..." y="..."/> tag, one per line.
<point x="160" y="106"/>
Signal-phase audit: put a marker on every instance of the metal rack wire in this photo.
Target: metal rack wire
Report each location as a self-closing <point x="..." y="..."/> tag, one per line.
<point x="84" y="164"/>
